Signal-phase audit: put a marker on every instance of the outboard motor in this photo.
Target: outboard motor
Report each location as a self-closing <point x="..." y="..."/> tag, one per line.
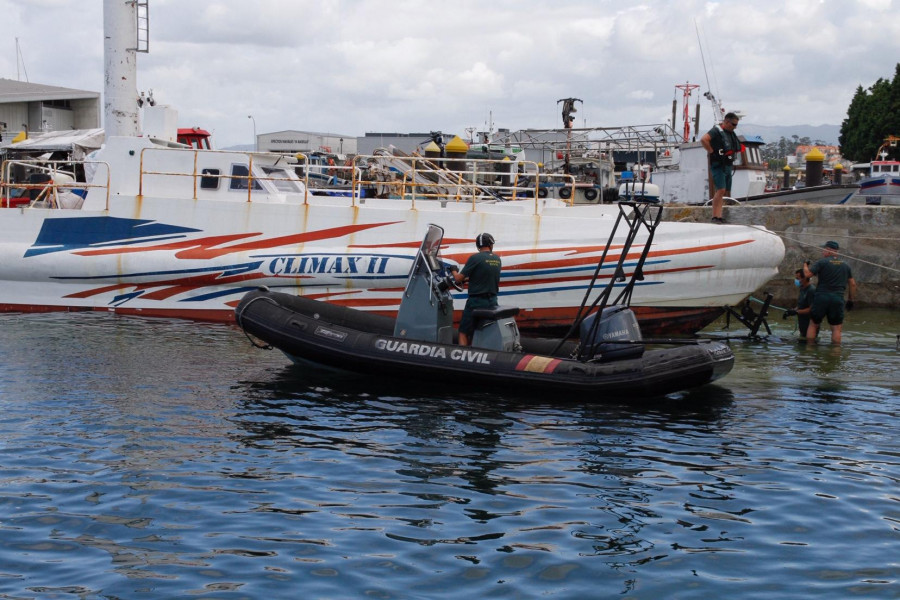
<point x="615" y="337"/>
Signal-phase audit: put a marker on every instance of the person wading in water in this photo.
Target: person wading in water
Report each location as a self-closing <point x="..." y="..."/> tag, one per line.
<point x="834" y="276"/>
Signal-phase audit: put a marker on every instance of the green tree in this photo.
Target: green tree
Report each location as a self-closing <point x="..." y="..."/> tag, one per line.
<point x="873" y="115"/>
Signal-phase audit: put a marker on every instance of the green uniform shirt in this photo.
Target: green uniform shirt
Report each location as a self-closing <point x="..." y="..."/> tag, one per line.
<point x="804" y="300"/>
<point x="805" y="296"/>
<point x="833" y="274"/>
<point x="483" y="271"/>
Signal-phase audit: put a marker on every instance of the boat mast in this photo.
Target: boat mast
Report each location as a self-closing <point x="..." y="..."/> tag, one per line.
<point x="120" y="48"/>
<point x="687" y="88"/>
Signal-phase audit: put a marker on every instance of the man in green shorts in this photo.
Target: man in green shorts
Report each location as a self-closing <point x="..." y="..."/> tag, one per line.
<point x="482" y="271"/>
<point x="722" y="146"/>
<point x="834" y="276"/>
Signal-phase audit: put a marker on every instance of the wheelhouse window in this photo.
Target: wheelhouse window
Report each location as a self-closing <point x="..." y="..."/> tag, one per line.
<point x="753" y="155"/>
<point x="209" y="179"/>
<point x="240" y="178"/>
<point x="282" y="180"/>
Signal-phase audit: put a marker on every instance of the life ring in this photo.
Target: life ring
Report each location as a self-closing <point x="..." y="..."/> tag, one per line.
<point x="565" y="193"/>
<point x="542" y="192"/>
<point x="590" y="194"/>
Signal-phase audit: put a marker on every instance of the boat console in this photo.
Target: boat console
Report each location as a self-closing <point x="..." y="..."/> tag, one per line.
<point x="426" y="309"/>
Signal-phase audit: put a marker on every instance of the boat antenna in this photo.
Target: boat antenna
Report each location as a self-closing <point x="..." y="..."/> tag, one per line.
<point x="718" y="112"/>
<point x="20" y="60"/>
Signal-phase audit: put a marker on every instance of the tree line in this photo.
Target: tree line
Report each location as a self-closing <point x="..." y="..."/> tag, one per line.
<point x="873" y="115"/>
<point x="775" y="153"/>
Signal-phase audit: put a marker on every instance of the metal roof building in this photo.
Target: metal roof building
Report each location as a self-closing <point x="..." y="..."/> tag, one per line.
<point x="37" y="107"/>
<point x="292" y="141"/>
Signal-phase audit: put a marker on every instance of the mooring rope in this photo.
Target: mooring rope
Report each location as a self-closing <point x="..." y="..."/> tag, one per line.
<point x="784" y="235"/>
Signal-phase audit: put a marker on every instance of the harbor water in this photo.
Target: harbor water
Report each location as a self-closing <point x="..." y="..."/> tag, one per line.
<point x="149" y="458"/>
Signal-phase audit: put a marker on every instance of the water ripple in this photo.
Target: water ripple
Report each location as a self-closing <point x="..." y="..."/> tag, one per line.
<point x="152" y="467"/>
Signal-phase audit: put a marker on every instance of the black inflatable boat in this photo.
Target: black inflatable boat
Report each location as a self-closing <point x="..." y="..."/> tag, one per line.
<point x="608" y="361"/>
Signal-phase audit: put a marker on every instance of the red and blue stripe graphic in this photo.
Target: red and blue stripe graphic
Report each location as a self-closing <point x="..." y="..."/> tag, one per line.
<point x="545" y="272"/>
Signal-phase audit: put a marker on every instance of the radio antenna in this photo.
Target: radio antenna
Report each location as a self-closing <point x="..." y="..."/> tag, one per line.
<point x="20" y="60"/>
<point x="702" y="55"/>
<point x="718" y="111"/>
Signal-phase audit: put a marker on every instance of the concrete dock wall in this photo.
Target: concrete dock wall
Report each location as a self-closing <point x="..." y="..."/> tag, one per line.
<point x="869" y="237"/>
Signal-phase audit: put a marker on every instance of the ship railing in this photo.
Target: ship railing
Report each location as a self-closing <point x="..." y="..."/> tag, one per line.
<point x="409" y="178"/>
<point x="156" y="166"/>
<point x="452" y="179"/>
<point x="50" y="183"/>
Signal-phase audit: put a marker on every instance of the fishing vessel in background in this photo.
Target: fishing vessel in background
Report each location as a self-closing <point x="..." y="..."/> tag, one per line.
<point x="882" y="185"/>
<point x="682" y="174"/>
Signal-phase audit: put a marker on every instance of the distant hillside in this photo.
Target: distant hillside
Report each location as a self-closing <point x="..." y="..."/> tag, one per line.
<point x="772" y="133"/>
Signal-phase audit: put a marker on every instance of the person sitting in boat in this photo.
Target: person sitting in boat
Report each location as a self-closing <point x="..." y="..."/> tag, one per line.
<point x="482" y="271"/>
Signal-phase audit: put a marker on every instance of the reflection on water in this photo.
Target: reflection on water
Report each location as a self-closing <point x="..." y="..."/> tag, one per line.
<point x="152" y="458"/>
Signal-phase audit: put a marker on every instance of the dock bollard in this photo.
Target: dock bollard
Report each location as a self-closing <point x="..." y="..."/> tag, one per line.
<point x="815" y="161"/>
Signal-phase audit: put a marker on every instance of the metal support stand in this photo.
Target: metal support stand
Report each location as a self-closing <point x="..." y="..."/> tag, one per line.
<point x="749" y="318"/>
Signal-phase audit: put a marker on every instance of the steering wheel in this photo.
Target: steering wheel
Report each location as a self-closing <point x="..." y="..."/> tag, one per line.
<point x="450" y="279"/>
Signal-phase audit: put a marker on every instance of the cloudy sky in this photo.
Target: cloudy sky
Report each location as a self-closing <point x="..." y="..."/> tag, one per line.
<point x="356" y="66"/>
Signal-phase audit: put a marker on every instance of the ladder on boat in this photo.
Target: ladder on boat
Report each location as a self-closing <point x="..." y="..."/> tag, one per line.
<point x="143" y="27"/>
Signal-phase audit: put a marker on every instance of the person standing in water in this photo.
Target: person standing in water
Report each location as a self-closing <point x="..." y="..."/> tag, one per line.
<point x="805" y="295"/>
<point x="834" y="278"/>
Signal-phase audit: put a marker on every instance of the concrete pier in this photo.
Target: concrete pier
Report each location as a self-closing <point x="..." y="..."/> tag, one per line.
<point x="869" y="237"/>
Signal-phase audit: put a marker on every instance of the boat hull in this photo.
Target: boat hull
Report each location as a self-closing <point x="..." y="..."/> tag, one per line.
<point x="195" y="259"/>
<point x="880" y="190"/>
<point x="308" y="331"/>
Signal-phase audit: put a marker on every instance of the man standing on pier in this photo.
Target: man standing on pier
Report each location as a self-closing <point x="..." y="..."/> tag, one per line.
<point x="834" y="276"/>
<point x="722" y="145"/>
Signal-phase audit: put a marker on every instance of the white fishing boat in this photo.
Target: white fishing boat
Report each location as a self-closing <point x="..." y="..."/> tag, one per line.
<point x="171" y="230"/>
<point x="682" y="177"/>
<point x="683" y="174"/>
<point x="882" y="184"/>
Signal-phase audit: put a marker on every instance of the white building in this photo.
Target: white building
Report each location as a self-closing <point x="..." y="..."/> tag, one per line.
<point x="292" y="142"/>
<point x="40" y="108"/>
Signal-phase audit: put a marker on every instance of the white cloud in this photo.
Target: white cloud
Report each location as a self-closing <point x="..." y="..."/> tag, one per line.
<point x="640" y="95"/>
<point x="352" y="66"/>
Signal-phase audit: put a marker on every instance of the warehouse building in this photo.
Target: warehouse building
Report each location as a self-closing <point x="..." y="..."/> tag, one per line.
<point x="33" y="107"/>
